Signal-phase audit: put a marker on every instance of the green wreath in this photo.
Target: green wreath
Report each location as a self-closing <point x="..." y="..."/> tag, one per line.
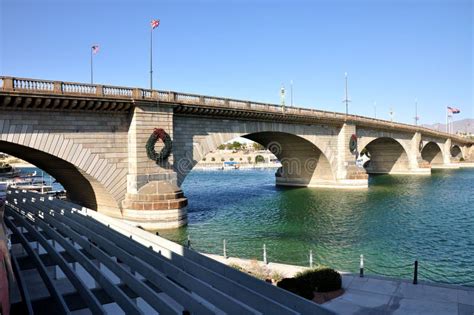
<point x="353" y="143"/>
<point x="159" y="133"/>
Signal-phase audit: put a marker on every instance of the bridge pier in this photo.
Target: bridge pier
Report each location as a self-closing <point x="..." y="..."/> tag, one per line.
<point x="153" y="199"/>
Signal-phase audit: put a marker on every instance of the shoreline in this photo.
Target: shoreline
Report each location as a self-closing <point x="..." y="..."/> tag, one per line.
<point x="288" y="271"/>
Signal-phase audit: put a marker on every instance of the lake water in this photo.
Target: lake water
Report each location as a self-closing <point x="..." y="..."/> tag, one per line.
<point x="398" y="220"/>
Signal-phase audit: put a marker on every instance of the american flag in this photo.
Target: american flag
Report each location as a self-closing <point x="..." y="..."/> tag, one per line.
<point x="453" y="110"/>
<point x="154" y="24"/>
<point x="95" y="49"/>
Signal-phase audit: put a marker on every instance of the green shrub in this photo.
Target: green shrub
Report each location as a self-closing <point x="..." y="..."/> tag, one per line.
<point x="321" y="279"/>
<point x="461" y="159"/>
<point x="297" y="286"/>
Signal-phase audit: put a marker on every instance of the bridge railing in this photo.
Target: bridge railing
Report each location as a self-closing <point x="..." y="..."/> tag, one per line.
<point x="83" y="89"/>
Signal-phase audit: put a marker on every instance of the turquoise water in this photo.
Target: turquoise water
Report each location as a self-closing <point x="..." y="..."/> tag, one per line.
<point x="397" y="220"/>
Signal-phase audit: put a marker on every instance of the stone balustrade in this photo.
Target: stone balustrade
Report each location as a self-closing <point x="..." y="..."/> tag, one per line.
<point x="35" y="86"/>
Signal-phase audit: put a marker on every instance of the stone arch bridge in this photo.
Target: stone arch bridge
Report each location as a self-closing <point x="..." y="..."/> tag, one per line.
<point x="92" y="139"/>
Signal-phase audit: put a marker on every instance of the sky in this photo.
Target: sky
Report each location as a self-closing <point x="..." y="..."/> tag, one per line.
<point x="395" y="52"/>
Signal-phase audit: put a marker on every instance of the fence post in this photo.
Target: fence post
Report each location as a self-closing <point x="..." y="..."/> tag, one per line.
<point x="415" y="273"/>
<point x="265" y="254"/>
<point x="225" y="250"/>
<point x="310" y="258"/>
<point x="188" y="242"/>
<point x="361" y="273"/>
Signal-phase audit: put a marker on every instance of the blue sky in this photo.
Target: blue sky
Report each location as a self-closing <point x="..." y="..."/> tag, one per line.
<point x="393" y="51"/>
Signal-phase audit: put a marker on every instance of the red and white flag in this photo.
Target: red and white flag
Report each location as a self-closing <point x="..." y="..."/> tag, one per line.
<point x="154" y="24"/>
<point x="95" y="49"/>
<point x="453" y="110"/>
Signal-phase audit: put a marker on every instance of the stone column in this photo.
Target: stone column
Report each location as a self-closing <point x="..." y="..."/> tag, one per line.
<point x="153" y="199"/>
<point x="415" y="161"/>
<point x="348" y="174"/>
<point x="447" y="152"/>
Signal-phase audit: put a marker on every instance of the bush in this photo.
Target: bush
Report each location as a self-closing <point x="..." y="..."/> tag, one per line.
<point x="321" y="279"/>
<point x="297" y="286"/>
<point x="461" y="159"/>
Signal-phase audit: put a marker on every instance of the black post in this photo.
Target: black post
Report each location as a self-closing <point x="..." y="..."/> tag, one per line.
<point x="415" y="273"/>
<point x="361" y="267"/>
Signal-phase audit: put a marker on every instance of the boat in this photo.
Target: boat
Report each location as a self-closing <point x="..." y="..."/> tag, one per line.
<point x="230" y="165"/>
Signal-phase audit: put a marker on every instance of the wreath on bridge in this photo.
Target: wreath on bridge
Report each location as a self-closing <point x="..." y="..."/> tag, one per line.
<point x="160" y="134"/>
<point x="353" y="143"/>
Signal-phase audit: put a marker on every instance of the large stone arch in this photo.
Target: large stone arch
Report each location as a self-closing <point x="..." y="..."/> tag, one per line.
<point x="432" y="153"/>
<point x="456" y="152"/>
<point x="90" y="178"/>
<point x="307" y="148"/>
<point x="387" y="155"/>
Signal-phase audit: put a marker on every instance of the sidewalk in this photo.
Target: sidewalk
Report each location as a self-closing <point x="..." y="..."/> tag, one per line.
<point x="379" y="295"/>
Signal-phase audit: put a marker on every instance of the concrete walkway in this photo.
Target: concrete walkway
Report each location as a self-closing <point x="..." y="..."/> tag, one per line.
<point x="380" y="295"/>
<point x="376" y="295"/>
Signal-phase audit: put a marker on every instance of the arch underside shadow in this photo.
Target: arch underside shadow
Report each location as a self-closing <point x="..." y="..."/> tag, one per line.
<point x="387" y="156"/>
<point x="456" y="152"/>
<point x="432" y="154"/>
<point x="81" y="188"/>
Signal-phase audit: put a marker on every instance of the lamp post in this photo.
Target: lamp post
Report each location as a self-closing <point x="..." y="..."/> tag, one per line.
<point x="346" y="100"/>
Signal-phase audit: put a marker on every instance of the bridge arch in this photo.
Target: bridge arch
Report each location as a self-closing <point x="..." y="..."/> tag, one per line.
<point x="456" y="152"/>
<point x="305" y="151"/>
<point x="90" y="180"/>
<point x="387" y="155"/>
<point x="432" y="153"/>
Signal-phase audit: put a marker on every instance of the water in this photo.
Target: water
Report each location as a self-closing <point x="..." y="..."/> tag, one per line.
<point x="397" y="220"/>
<point x="48" y="179"/>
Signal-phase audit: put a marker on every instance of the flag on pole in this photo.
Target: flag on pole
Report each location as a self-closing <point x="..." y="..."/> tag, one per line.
<point x="95" y="49"/>
<point x="154" y="24"/>
<point x="453" y="110"/>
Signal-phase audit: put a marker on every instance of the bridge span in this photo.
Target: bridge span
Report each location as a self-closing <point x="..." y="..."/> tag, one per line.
<point x="98" y="141"/>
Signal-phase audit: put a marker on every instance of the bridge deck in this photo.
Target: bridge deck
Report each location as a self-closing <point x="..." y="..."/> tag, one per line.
<point x="35" y="94"/>
<point x="69" y="259"/>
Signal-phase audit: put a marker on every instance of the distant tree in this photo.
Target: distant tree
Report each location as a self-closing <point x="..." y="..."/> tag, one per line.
<point x="222" y="159"/>
<point x="221" y="147"/>
<point x="241" y="159"/>
<point x="249" y="159"/>
<point x="258" y="146"/>
<point x="237" y="145"/>
<point x="259" y="159"/>
<point x="204" y="159"/>
<point x="213" y="159"/>
<point x="231" y="159"/>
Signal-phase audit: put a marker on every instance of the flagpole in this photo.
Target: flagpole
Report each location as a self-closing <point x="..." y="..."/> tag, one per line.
<point x="92" y="69"/>
<point x="446" y="120"/>
<point x="151" y="58"/>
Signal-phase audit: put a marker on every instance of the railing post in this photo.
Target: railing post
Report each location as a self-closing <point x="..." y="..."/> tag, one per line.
<point x="265" y="254"/>
<point x="172" y="96"/>
<point x="58" y="87"/>
<point x="361" y="268"/>
<point x="188" y="242"/>
<point x="415" y="273"/>
<point x="310" y="258"/>
<point x="248" y="105"/>
<point x="224" y="249"/>
<point x="99" y="90"/>
<point x="201" y="100"/>
<point x="7" y="84"/>
<point x="226" y="102"/>
<point x="137" y="93"/>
